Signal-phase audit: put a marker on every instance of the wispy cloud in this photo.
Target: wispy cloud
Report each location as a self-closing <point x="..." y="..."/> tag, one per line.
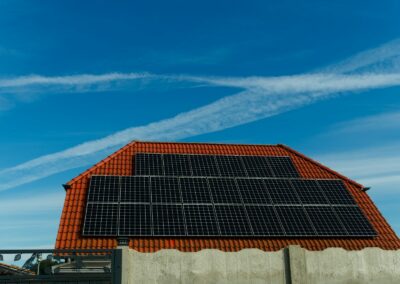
<point x="377" y="123"/>
<point x="261" y="97"/>
<point x="71" y="80"/>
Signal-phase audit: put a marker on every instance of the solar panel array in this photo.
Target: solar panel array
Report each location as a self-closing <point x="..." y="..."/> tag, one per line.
<point x="221" y="206"/>
<point x="214" y="165"/>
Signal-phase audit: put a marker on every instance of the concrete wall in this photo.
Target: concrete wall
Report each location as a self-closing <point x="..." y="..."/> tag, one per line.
<point x="294" y="265"/>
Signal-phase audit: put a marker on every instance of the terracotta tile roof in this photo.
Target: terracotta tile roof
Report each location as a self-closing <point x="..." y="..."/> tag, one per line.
<point x="120" y="163"/>
<point x="8" y="269"/>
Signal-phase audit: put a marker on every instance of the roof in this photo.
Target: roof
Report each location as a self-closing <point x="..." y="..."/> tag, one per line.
<point x="8" y="269"/>
<point x="120" y="163"/>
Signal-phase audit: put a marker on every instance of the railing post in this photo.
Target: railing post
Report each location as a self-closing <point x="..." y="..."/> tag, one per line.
<point x="117" y="266"/>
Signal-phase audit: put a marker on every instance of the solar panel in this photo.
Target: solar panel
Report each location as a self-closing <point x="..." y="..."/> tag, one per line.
<point x="104" y="189"/>
<point x="195" y="190"/>
<point x="149" y="164"/>
<point x="282" y="167"/>
<point x="264" y="221"/>
<point x="257" y="166"/>
<point x="101" y="219"/>
<point x="354" y="221"/>
<point x="165" y="190"/>
<point x="253" y="191"/>
<point x="336" y="192"/>
<point x="281" y="191"/>
<point x="230" y="166"/>
<point x="220" y="206"/>
<point x="200" y="220"/>
<point x="232" y="220"/>
<point x="295" y="221"/>
<point x="135" y="189"/>
<point x="224" y="190"/>
<point x="309" y="192"/>
<point x="203" y="165"/>
<point x="168" y="220"/>
<point x="177" y="165"/>
<point x="325" y="221"/>
<point x="134" y="220"/>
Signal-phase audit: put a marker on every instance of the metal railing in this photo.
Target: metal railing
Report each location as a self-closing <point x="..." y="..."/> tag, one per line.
<point x="67" y="266"/>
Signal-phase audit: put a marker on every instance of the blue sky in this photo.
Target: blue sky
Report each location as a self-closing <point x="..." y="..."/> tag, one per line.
<point x="78" y="80"/>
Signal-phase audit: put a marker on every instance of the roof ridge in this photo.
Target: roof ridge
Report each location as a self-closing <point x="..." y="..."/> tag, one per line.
<point x="320" y="165"/>
<point x="204" y="143"/>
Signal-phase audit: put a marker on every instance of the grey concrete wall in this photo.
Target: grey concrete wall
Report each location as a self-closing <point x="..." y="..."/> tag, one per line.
<point x="371" y="265"/>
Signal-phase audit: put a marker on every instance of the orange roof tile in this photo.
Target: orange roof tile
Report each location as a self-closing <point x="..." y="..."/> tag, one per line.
<point x="120" y="163"/>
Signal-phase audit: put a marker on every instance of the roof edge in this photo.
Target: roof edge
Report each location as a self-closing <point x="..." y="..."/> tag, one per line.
<point x="321" y="165"/>
<point x="109" y="157"/>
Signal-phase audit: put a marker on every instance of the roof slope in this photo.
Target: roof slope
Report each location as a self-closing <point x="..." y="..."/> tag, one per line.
<point x="120" y="163"/>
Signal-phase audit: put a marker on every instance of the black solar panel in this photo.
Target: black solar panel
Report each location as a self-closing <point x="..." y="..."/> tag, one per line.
<point x="232" y="220"/>
<point x="177" y="165"/>
<point x="253" y="191"/>
<point x="195" y="190"/>
<point x="135" y="189"/>
<point x="104" y="189"/>
<point x="230" y="166"/>
<point x="282" y="167"/>
<point x="264" y="221"/>
<point x="149" y="164"/>
<point x="101" y="219"/>
<point x="309" y="192"/>
<point x="336" y="192"/>
<point x="165" y="190"/>
<point x="295" y="221"/>
<point x="203" y="165"/>
<point x="354" y="221"/>
<point x="214" y="195"/>
<point x="201" y="220"/>
<point x="281" y="191"/>
<point x="257" y="166"/>
<point x="224" y="190"/>
<point x="168" y="220"/>
<point x="134" y="220"/>
<point x="325" y="221"/>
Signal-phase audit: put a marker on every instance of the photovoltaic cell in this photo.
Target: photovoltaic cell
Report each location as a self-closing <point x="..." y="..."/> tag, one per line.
<point x="354" y="221"/>
<point x="230" y="166"/>
<point x="201" y="220"/>
<point x="295" y="221"/>
<point x="309" y="192"/>
<point x="281" y="191"/>
<point x="149" y="164"/>
<point x="232" y="220"/>
<point x="253" y="191"/>
<point x="282" y="167"/>
<point x="195" y="190"/>
<point x="165" y="190"/>
<point x="264" y="221"/>
<point x="224" y="190"/>
<point x="135" y="189"/>
<point x="168" y="220"/>
<point x="177" y="165"/>
<point x="203" y="165"/>
<point x="336" y="192"/>
<point x="134" y="220"/>
<point x="257" y="166"/>
<point x="101" y="219"/>
<point x="104" y="189"/>
<point x="325" y="221"/>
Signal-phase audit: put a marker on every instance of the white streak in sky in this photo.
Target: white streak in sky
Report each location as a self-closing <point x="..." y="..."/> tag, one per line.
<point x="71" y="80"/>
<point x="261" y="97"/>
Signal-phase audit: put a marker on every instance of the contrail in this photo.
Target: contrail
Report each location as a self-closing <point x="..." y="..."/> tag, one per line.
<point x="260" y="98"/>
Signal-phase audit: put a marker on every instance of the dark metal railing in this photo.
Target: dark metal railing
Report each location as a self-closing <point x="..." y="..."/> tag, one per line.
<point x="66" y="265"/>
